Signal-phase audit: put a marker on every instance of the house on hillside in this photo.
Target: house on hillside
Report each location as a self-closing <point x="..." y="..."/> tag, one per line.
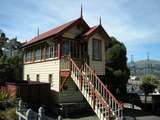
<point x="71" y="57"/>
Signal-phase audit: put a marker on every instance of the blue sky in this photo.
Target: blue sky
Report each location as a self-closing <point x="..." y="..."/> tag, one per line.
<point x="136" y="23"/>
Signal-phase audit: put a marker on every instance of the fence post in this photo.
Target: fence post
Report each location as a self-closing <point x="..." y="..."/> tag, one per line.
<point x="60" y="117"/>
<point x="20" y="105"/>
<point x="30" y="115"/>
<point x="41" y="113"/>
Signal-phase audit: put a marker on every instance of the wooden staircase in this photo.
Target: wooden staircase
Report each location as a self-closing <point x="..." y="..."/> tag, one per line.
<point x="96" y="93"/>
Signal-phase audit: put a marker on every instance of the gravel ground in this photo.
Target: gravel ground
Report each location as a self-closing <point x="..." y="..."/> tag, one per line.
<point x="129" y="115"/>
<point x="84" y="118"/>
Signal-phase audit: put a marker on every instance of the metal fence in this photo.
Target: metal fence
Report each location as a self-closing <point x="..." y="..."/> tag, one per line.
<point x="28" y="114"/>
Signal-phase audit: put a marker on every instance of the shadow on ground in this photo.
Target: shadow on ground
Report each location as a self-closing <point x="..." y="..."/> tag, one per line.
<point x="132" y="114"/>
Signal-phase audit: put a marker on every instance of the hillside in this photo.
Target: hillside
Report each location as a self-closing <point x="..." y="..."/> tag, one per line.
<point x="141" y="65"/>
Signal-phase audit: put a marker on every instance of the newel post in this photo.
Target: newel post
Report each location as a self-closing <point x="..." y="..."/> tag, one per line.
<point x="94" y="94"/>
<point x="41" y="113"/>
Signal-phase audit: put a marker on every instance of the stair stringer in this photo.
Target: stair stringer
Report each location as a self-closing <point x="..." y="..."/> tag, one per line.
<point x="90" y="99"/>
<point x="98" y="96"/>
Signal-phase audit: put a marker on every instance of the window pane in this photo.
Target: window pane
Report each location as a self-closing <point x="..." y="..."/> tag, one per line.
<point x="51" y="52"/>
<point x="38" y="54"/>
<point x="97" y="49"/>
<point x="47" y="52"/>
<point x="66" y="47"/>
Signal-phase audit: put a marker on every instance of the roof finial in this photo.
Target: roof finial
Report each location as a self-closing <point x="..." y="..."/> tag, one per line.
<point x="100" y="22"/>
<point x="38" y="31"/>
<point x="81" y="11"/>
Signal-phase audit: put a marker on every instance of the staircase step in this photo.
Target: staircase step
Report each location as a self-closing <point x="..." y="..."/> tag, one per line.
<point x="103" y="112"/>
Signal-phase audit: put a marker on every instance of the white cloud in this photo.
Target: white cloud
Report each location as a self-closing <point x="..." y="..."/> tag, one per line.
<point x="132" y="22"/>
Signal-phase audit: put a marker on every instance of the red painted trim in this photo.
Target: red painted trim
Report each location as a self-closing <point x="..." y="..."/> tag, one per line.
<point x="61" y="86"/>
<point x="107" y="91"/>
<point x="56" y="32"/>
<point x="98" y="94"/>
<point x="65" y="73"/>
<point x="46" y="60"/>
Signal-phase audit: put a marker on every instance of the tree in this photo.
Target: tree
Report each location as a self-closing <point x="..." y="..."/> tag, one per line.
<point x="10" y="59"/>
<point x="6" y="73"/>
<point x="117" y="72"/>
<point x="149" y="83"/>
<point x="3" y="40"/>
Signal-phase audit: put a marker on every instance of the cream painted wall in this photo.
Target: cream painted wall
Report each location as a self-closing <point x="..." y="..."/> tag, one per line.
<point x="44" y="69"/>
<point x="99" y="66"/>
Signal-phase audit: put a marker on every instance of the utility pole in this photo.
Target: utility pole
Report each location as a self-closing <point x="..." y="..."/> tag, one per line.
<point x="132" y="66"/>
<point x="38" y="31"/>
<point x="148" y="65"/>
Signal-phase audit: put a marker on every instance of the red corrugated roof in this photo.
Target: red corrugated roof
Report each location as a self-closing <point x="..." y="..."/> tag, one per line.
<point x="52" y="32"/>
<point x="61" y="29"/>
<point x="91" y="30"/>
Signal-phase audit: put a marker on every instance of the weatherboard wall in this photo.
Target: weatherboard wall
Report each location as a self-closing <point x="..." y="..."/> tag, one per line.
<point x="44" y="69"/>
<point x="97" y="65"/>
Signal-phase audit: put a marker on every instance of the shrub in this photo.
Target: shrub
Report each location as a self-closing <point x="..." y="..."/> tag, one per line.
<point x="9" y="114"/>
<point x="4" y="96"/>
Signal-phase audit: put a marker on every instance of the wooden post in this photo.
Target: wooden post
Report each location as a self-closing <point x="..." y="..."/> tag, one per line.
<point x="59" y="50"/>
<point x="44" y="55"/>
<point x="20" y="105"/>
<point x="41" y="113"/>
<point x="122" y="112"/>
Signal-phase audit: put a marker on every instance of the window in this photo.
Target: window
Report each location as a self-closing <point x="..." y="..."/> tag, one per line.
<point x="50" y="79"/>
<point x="28" y="56"/>
<point x="66" y="47"/>
<point x="25" y="57"/>
<point x="42" y="53"/>
<point x="50" y="51"/>
<point x="97" y="49"/>
<point x="55" y="49"/>
<point x="28" y="77"/>
<point x="75" y="49"/>
<point x="37" y="78"/>
<point x="71" y="47"/>
<point x="37" y="54"/>
<point x="47" y="52"/>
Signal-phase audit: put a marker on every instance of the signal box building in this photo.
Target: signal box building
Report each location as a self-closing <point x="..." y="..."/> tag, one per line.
<point x="71" y="57"/>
